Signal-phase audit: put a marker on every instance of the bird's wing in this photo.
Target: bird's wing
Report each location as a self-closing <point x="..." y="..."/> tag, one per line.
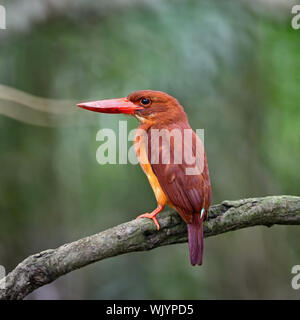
<point x="188" y="191"/>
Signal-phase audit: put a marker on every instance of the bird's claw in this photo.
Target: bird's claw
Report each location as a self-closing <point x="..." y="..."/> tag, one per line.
<point x="150" y="216"/>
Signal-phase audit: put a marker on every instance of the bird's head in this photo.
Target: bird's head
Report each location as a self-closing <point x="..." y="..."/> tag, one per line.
<point x="145" y="105"/>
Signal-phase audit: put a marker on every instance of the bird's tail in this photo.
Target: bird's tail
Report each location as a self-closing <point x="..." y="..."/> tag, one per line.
<point x="195" y="236"/>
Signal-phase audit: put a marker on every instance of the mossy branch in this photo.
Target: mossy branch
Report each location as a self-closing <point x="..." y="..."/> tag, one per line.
<point x="141" y="235"/>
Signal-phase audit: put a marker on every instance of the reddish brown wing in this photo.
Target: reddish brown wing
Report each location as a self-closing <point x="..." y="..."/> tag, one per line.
<point x="187" y="193"/>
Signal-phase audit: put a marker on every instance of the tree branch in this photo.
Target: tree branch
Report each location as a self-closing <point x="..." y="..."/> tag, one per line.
<point x="141" y="235"/>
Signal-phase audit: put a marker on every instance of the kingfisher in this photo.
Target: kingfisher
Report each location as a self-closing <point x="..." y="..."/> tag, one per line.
<point x="182" y="185"/>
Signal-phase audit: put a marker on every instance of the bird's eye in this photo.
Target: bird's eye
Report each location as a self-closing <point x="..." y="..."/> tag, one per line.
<point x="145" y="101"/>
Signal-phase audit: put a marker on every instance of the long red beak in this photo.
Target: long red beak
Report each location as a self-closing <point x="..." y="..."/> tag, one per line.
<point x="121" y="105"/>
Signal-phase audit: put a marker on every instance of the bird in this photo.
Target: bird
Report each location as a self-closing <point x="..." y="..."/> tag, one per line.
<point x="188" y="192"/>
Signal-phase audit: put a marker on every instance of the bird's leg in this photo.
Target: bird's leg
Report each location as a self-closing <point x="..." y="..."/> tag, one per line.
<point x="152" y="215"/>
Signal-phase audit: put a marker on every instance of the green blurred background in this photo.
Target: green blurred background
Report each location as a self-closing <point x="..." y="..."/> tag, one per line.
<point x="235" y="68"/>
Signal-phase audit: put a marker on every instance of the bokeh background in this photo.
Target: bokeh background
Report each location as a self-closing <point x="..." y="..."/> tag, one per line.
<point x="234" y="65"/>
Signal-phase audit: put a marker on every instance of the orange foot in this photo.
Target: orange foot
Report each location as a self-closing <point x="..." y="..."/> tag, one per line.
<point x="152" y="215"/>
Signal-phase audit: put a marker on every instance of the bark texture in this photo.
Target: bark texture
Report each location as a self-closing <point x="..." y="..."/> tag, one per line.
<point x="141" y="235"/>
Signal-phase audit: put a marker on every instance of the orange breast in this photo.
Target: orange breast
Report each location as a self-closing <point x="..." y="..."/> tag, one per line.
<point x="140" y="147"/>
